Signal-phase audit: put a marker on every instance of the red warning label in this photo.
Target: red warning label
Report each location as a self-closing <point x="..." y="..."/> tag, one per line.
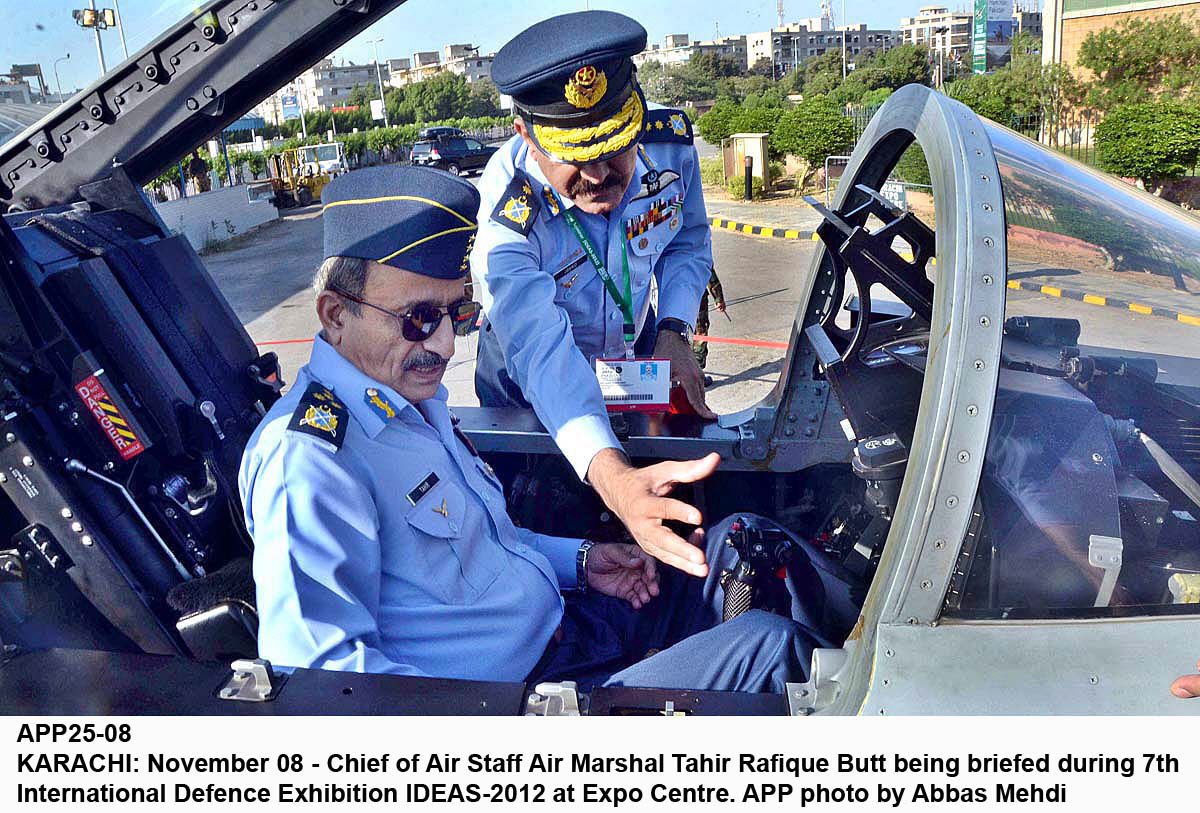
<point x="109" y="417"/>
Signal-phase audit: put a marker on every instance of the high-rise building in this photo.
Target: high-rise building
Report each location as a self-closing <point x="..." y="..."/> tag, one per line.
<point x="944" y="32"/>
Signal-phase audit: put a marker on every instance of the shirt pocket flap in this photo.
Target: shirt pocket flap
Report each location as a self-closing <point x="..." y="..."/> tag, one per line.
<point x="655" y="239"/>
<point x="573" y="277"/>
<point x="440" y="513"/>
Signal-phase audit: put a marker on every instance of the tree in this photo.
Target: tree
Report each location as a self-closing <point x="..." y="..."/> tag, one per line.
<point x="903" y="65"/>
<point x="1142" y="57"/>
<point x="718" y="123"/>
<point x="763" y="67"/>
<point x="484" y="99"/>
<point x="1153" y="141"/>
<point x="361" y="96"/>
<point x="714" y="66"/>
<point x="989" y="95"/>
<point x="812" y="131"/>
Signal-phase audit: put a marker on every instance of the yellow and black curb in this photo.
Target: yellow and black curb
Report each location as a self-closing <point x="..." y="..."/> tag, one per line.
<point x="760" y="231"/>
<point x="1105" y="301"/>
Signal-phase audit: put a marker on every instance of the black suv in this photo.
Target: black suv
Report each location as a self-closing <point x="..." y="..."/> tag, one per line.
<point x="457" y="155"/>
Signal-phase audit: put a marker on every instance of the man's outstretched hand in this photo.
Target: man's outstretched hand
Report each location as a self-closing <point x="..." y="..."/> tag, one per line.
<point x="1187" y="686"/>
<point x="623" y="571"/>
<point x="639" y="499"/>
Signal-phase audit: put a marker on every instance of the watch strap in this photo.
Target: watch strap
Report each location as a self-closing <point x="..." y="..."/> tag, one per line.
<point x="682" y="328"/>
<point x="581" y="558"/>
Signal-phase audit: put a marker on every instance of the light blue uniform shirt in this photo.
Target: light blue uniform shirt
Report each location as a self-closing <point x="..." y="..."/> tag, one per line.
<point x="352" y="575"/>
<point x="548" y="305"/>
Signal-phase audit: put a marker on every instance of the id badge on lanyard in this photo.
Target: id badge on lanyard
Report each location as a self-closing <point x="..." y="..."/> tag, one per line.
<point x="635" y="385"/>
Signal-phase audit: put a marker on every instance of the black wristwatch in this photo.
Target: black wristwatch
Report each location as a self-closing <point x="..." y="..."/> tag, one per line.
<point x="677" y="326"/>
<point x="581" y="557"/>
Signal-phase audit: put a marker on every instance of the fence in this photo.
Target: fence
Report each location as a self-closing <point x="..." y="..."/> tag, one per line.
<point x="894" y="189"/>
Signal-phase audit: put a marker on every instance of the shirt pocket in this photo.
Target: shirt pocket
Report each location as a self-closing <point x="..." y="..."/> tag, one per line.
<point x="654" y="240"/>
<point x="458" y="559"/>
<point x="571" y="276"/>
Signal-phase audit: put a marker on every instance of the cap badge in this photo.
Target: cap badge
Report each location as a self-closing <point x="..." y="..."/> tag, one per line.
<point x="517" y="210"/>
<point x="320" y="417"/>
<point x="586" y="87"/>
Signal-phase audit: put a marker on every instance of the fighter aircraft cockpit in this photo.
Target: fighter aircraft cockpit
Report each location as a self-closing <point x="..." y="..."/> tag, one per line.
<point x="986" y="426"/>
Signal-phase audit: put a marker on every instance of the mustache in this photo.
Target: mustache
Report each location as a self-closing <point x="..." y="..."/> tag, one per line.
<point x="583" y="188"/>
<point x="424" y="359"/>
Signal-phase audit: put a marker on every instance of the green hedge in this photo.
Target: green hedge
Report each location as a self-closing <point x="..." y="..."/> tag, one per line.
<point x="736" y="187"/>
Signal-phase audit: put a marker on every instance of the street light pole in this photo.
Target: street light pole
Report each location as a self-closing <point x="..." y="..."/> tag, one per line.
<point x="58" y="81"/>
<point x="99" y="45"/>
<point x="121" y="28"/>
<point x="844" y="27"/>
<point x="379" y="76"/>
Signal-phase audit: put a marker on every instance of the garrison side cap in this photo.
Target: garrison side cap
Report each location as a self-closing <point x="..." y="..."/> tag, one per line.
<point x="416" y="218"/>
<point x="573" y="83"/>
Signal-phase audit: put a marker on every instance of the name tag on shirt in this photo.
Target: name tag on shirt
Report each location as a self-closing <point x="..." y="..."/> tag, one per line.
<point x="641" y="385"/>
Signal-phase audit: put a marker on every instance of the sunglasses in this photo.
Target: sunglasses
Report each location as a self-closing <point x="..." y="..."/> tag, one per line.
<point x="421" y="321"/>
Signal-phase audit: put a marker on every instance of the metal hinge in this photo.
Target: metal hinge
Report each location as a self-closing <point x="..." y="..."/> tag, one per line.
<point x="824" y="683"/>
<point x="1105" y="552"/>
<point x="554" y="700"/>
<point x="253" y="681"/>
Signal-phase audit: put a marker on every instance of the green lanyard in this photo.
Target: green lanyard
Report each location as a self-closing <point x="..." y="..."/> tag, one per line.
<point x="624" y="302"/>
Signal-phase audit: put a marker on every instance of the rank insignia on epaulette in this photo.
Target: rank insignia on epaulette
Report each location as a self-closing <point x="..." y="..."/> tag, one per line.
<point x="667" y="126"/>
<point x="380" y="404"/>
<point x="321" y="415"/>
<point x="518" y="206"/>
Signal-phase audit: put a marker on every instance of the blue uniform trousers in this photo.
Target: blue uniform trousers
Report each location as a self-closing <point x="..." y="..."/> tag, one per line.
<point x="679" y="641"/>
<point x="493" y="386"/>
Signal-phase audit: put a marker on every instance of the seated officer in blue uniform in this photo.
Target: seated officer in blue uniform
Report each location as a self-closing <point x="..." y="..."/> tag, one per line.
<point x="382" y="542"/>
<point x="592" y="198"/>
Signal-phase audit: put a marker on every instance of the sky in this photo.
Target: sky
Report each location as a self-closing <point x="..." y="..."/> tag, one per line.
<point x="44" y="31"/>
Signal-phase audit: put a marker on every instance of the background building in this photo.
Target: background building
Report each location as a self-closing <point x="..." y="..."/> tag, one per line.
<point x="335" y="83"/>
<point x="678" y="48"/>
<point x="1068" y="22"/>
<point x="466" y="61"/>
<point x="943" y="32"/>
<point x="792" y="44"/>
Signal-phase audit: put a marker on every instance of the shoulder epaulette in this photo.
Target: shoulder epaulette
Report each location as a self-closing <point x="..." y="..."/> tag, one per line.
<point x="321" y="415"/>
<point x="519" y="205"/>
<point x="667" y="125"/>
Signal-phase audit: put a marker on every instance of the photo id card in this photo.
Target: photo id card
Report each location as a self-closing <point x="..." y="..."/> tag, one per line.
<point x="642" y="385"/>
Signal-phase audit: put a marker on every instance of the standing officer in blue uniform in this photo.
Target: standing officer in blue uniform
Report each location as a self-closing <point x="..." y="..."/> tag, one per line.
<point x="382" y="542"/>
<point x="592" y="198"/>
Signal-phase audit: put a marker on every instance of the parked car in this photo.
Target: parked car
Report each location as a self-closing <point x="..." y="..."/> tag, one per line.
<point x="427" y="133"/>
<point x="455" y="154"/>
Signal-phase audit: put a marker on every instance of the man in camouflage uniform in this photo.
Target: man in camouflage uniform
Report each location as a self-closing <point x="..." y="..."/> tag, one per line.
<point x="700" y="348"/>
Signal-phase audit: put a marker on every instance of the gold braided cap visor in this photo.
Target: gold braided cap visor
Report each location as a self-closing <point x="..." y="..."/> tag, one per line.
<point x="585" y="145"/>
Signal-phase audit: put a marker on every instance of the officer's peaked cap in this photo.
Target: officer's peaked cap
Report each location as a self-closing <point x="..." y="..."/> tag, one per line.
<point x="573" y="83"/>
<point x="416" y="218"/>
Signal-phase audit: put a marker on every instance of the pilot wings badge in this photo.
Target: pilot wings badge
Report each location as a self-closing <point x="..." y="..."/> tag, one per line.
<point x="586" y="87"/>
<point x="654" y="181"/>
